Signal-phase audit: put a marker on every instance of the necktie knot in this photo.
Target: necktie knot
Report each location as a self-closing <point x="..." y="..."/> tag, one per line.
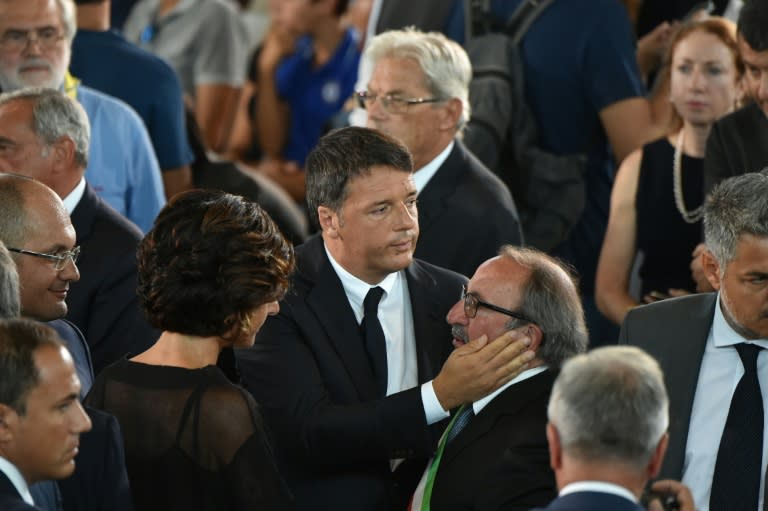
<point x="372" y="299"/>
<point x="748" y="354"/>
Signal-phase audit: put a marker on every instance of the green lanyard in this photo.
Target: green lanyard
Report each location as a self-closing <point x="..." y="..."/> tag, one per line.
<point x="432" y="472"/>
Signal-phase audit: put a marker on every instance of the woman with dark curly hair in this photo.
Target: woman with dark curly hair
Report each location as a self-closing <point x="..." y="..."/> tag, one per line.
<point x="210" y="272"/>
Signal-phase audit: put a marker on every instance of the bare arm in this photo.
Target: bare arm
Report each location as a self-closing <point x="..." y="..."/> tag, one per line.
<point x="177" y="180"/>
<point x="619" y="245"/>
<point x="632" y="122"/>
<point x="215" y="106"/>
<point x="272" y="114"/>
<point x="241" y="137"/>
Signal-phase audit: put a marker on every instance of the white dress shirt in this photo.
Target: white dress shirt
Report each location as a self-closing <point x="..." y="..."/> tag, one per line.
<point x="599" y="487"/>
<point x="422" y="176"/>
<point x="721" y="370"/>
<point x="396" y="318"/>
<point x="17" y="480"/>
<point x="73" y="199"/>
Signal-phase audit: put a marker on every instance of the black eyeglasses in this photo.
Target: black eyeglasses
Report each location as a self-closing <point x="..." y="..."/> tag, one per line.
<point x="60" y="260"/>
<point x="472" y="302"/>
<point x="392" y="104"/>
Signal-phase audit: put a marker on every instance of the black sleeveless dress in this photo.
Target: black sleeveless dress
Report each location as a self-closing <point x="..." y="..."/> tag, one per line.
<point x="664" y="238"/>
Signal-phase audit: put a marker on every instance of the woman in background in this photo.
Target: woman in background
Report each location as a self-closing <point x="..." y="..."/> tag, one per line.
<point x="210" y="272"/>
<point x="656" y="202"/>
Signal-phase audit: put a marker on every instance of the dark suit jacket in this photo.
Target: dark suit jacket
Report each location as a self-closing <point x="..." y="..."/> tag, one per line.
<point x="78" y="348"/>
<point x="465" y="214"/>
<point x="500" y="461"/>
<point x="591" y="501"/>
<point x="736" y="145"/>
<point x="309" y="372"/>
<point x="675" y="333"/>
<point x="10" y="500"/>
<point x="100" y="481"/>
<point x="103" y="304"/>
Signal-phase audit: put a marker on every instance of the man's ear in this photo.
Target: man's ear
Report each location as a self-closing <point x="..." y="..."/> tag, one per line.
<point x="555" y="449"/>
<point x="535" y="334"/>
<point x="711" y="269"/>
<point x="654" y="465"/>
<point x="8" y="420"/>
<point x="453" y="110"/>
<point x="329" y="221"/>
<point x="63" y="155"/>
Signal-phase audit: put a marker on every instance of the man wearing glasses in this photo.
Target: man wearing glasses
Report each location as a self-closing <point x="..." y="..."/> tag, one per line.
<point x="45" y="135"/>
<point x="35" y="39"/>
<point x="356" y="374"/>
<point x="419" y="93"/>
<point x="494" y="454"/>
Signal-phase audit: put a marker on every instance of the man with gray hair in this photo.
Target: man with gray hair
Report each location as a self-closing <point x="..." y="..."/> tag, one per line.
<point x="35" y="39"/>
<point x="9" y="285"/>
<point x="47" y="138"/>
<point x="419" y="93"/>
<point x="494" y="454"/>
<point x="607" y="431"/>
<point x="711" y="347"/>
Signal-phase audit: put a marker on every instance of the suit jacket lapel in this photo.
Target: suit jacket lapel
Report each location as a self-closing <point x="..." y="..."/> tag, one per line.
<point x="681" y="364"/>
<point x="434" y="197"/>
<point x="426" y="320"/>
<point x="508" y="402"/>
<point x="330" y="305"/>
<point x="84" y="213"/>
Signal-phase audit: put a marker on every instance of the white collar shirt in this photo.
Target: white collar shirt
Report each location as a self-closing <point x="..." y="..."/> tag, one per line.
<point x="17" y="480"/>
<point x="422" y="176"/>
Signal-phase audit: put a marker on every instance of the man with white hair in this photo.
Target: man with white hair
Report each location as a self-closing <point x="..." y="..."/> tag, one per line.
<point x="419" y="93"/>
<point x="607" y="431"/>
<point x="35" y="39"/>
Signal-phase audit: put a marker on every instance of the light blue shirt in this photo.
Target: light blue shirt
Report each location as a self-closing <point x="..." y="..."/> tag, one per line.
<point x="122" y="166"/>
<point x="721" y="370"/>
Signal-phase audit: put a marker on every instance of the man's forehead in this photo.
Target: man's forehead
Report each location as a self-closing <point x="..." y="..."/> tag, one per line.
<point x="29" y="13"/>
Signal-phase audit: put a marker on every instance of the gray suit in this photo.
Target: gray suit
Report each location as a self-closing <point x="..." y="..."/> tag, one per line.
<point x="675" y="333"/>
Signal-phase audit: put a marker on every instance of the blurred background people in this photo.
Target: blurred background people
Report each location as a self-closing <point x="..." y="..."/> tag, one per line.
<point x="656" y="202"/>
<point x="210" y="272"/>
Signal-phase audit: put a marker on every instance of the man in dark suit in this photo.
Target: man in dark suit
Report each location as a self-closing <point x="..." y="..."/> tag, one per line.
<point x="498" y="458"/>
<point x="737" y="142"/>
<point x="354" y="387"/>
<point x="607" y="431"/>
<point x="703" y="343"/>
<point x="40" y="414"/>
<point x="54" y="131"/>
<point x="465" y="212"/>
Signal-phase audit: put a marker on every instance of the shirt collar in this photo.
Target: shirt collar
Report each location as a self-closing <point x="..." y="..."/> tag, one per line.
<point x="478" y="405"/>
<point x="13" y="474"/>
<point x="73" y="199"/>
<point x="724" y="334"/>
<point x="600" y="487"/>
<point x="422" y="176"/>
<point x="355" y="288"/>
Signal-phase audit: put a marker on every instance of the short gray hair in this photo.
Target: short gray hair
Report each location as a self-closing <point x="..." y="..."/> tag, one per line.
<point x="737" y="206"/>
<point x="445" y="64"/>
<point x="10" y="306"/>
<point x="55" y="115"/>
<point x="68" y="18"/>
<point x="610" y="405"/>
<point x="551" y="299"/>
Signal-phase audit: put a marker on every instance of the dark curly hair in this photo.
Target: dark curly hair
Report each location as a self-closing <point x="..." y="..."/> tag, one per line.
<point x="209" y="261"/>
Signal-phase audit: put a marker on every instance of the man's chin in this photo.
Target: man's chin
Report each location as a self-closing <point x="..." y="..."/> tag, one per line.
<point x="31" y="79"/>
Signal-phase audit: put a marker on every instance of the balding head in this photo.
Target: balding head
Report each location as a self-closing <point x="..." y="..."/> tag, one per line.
<point x="33" y="219"/>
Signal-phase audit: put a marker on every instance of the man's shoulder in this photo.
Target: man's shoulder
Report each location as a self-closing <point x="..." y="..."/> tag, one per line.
<point x="743" y="120"/>
<point x="103" y="109"/>
<point x="93" y="217"/>
<point x="673" y="309"/>
<point x="589" y="500"/>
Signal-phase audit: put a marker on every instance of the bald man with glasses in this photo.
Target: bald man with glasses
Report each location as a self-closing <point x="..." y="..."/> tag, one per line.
<point x="493" y="454"/>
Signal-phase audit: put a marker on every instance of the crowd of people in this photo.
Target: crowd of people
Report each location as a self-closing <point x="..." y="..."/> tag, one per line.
<point x="242" y="272"/>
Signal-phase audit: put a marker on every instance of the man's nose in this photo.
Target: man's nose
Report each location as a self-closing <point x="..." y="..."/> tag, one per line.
<point x="456" y="315"/>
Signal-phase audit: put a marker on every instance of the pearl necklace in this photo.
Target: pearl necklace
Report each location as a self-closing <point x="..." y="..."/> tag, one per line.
<point x="690" y="217"/>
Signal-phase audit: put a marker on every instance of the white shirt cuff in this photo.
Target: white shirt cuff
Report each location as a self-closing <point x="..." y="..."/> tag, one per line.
<point x="433" y="411"/>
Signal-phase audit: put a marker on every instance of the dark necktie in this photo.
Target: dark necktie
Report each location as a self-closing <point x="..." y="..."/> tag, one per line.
<point x="375" y="344"/>
<point x="736" y="481"/>
<point x="462" y="419"/>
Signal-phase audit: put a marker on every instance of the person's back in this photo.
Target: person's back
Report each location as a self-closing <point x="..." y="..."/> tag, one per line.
<point x="192" y="439"/>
